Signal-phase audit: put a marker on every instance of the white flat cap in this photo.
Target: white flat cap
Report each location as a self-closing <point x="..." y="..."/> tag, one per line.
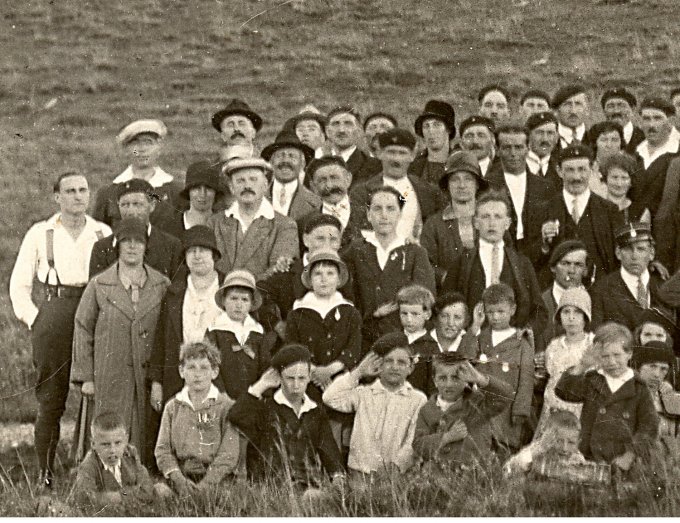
<point x="237" y="164"/>
<point x="131" y="130"/>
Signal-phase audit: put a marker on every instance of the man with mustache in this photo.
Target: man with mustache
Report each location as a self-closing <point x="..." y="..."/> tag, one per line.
<point x="237" y="124"/>
<point x="543" y="138"/>
<point x="421" y="198"/>
<point x="618" y="105"/>
<point x="250" y="234"/>
<point x="576" y="213"/>
<point x="344" y="132"/>
<point x="436" y="125"/>
<point x="570" y="103"/>
<point x="288" y="156"/>
<point x="477" y="136"/>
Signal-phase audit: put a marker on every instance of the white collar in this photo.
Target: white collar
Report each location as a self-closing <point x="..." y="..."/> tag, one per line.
<point x="159" y="178"/>
<point x="628" y="131"/>
<point x="402" y="184"/>
<point x="371" y="238"/>
<point x="183" y="396"/>
<point x="207" y="292"/>
<point x="307" y="403"/>
<point x="224" y="323"/>
<point x="557" y="291"/>
<point x="671" y="146"/>
<point x="54" y="221"/>
<point x="631" y="280"/>
<point x="413" y="336"/>
<point x="500" y="336"/>
<point x="323" y="307"/>
<point x="581" y="200"/>
<point x="290" y="186"/>
<point x="484" y="165"/>
<point x="346" y="153"/>
<point x="488" y="246"/>
<point x="378" y="388"/>
<point x="531" y="155"/>
<point x="342" y="204"/>
<point x="454" y="346"/>
<point x="443" y="404"/>
<point x="618" y="382"/>
<point x="568" y="134"/>
<point x="266" y="210"/>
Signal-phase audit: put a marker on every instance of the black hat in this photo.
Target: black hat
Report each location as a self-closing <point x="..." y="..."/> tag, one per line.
<point x="200" y="236"/>
<point x="493" y="87"/>
<point x="564" y="93"/>
<point x="136" y="185"/>
<point x="387" y="343"/>
<point x="477" y="119"/>
<point x="565" y="248"/>
<point x="318" y="163"/>
<point x="633" y="232"/>
<point x="380" y="114"/>
<point x="463" y="161"/>
<point x="574" y="151"/>
<point x="653" y="352"/>
<point x="538" y="119"/>
<point x="659" y="103"/>
<point x="319" y="219"/>
<point x="202" y="173"/>
<point x="131" y="228"/>
<point x="535" y="93"/>
<point x="289" y="355"/>
<point x="397" y="136"/>
<point x="619" y="92"/>
<point x="236" y="106"/>
<point x="286" y="139"/>
<point x="439" y="110"/>
<point x="340" y="109"/>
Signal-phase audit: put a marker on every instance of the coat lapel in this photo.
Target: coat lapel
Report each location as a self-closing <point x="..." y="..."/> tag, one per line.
<point x="114" y="292"/>
<point x="254" y="239"/>
<point x="228" y="232"/>
<point x="152" y="293"/>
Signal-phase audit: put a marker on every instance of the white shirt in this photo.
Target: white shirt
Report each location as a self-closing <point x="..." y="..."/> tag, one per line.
<point x="410" y="213"/>
<point x="500" y="336"/>
<point x="320" y="305"/>
<point x="307" y="403"/>
<point x="517" y="186"/>
<point x="631" y="282"/>
<point x="265" y="211"/>
<point x="115" y="470"/>
<point x="240" y="330"/>
<point x="199" y="310"/>
<point x="557" y="292"/>
<point x="71" y="261"/>
<point x="159" y="178"/>
<point x="671" y="146"/>
<point x="454" y="346"/>
<point x="581" y="202"/>
<point x="485" y="252"/>
<point x="484" y="165"/>
<point x="183" y="396"/>
<point x="346" y="153"/>
<point x="616" y="383"/>
<point x="340" y="210"/>
<point x="382" y="254"/>
<point x="567" y="134"/>
<point x="290" y="189"/>
<point x="536" y="164"/>
<point x="628" y="131"/>
<point x="413" y="336"/>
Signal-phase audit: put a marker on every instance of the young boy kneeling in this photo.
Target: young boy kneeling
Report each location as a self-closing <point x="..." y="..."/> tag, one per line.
<point x="197" y="447"/>
<point x="111" y="471"/>
<point x="453" y="427"/>
<point x="386" y="410"/>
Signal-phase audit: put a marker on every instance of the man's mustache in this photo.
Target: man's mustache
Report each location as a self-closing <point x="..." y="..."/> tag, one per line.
<point x="283" y="164"/>
<point x="235" y="134"/>
<point x="328" y="191"/>
<point x="246" y="190"/>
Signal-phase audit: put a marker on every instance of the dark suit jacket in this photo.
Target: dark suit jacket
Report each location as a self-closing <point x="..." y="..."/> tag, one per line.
<point x="466" y="275"/>
<point x="164" y="253"/>
<point x="362" y="166"/>
<point x="636" y="139"/>
<point x="648" y="184"/>
<point x="349" y="234"/>
<point x="551" y="177"/>
<point x="304" y="202"/>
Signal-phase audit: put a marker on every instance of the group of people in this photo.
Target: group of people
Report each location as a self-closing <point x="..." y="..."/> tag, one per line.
<point x="359" y="298"/>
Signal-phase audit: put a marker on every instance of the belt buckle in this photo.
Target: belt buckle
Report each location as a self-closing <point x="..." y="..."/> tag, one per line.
<point x="59" y="290"/>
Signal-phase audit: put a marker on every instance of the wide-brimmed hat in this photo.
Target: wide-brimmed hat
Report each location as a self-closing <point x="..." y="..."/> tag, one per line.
<point x="324" y="256"/>
<point x="202" y="173"/>
<point x="286" y="139"/>
<point x="576" y="297"/>
<point x="439" y="110"/>
<point x="236" y="106"/>
<point x="131" y="228"/>
<point x="200" y="236"/>
<point x="138" y="127"/>
<point x="241" y="278"/>
<point x="462" y="161"/>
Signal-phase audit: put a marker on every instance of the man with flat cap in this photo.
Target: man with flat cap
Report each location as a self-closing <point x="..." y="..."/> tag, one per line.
<point x="142" y="144"/>
<point x="477" y="136"/>
<point x="374" y="124"/>
<point x="618" y="104"/>
<point x="494" y="103"/>
<point x="288" y="157"/>
<point x="543" y="138"/>
<point x="137" y="199"/>
<point x="534" y="101"/>
<point x="421" y="198"/>
<point x="571" y="106"/>
<point x="237" y="124"/>
<point x="250" y="234"/>
<point x="436" y="125"/>
<point x="344" y="133"/>
<point x="624" y="294"/>
<point x="310" y="127"/>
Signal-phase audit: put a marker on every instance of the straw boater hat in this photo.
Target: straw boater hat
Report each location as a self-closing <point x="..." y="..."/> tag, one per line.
<point x="243" y="279"/>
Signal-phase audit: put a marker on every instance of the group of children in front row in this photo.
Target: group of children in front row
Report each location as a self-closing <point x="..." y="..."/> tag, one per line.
<point x="289" y="417"/>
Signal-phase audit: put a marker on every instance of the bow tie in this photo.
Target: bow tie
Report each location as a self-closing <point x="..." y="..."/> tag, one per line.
<point x="245" y="348"/>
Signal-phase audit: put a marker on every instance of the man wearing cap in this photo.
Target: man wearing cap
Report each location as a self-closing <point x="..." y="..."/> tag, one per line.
<point x="570" y="103"/>
<point x="543" y="138"/>
<point x="493" y="103"/>
<point x="477" y="136"/>
<point x="344" y="131"/>
<point x="309" y="125"/>
<point x="374" y="124"/>
<point x="237" y="124"/>
<point x="56" y="252"/>
<point x="534" y="101"/>
<point x="618" y="104"/>
<point x="142" y="144"/>
<point x="136" y="199"/>
<point x="576" y="213"/>
<point x="436" y="125"/>
<point x="250" y="234"/>
<point x="421" y="198"/>
<point x="623" y="295"/>
<point x="288" y="157"/>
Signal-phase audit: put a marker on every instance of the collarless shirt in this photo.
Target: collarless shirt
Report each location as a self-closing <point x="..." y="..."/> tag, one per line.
<point x="410" y="214"/>
<point x="485" y="255"/>
<point x="567" y="134"/>
<point x="628" y="131"/>
<point x="631" y="282"/>
<point x="289" y="189"/>
<point x="340" y="210"/>
<point x="199" y="310"/>
<point x="159" y="178"/>
<point x="581" y="202"/>
<point x="517" y="186"/>
<point x="265" y="211"/>
<point x="383" y="254"/>
<point x="615" y="383"/>
<point x="454" y="346"/>
<point x="536" y="164"/>
<point x="671" y="146"/>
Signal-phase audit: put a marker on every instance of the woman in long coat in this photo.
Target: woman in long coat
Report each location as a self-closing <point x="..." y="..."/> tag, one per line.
<point x="114" y="332"/>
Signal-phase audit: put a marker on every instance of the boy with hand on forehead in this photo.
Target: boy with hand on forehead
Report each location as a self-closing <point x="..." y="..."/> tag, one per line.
<point x="386" y="410"/>
<point x="453" y="426"/>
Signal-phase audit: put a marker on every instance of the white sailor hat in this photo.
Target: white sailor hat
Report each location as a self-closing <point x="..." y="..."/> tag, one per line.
<point x="131" y="130"/>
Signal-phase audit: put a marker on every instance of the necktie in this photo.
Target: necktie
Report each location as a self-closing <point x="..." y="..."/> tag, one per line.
<point x="282" y="196"/>
<point x="495" y="264"/>
<point x="641" y="294"/>
<point x="574" y="211"/>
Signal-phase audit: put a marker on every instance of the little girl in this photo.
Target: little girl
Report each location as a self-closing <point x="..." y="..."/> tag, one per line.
<point x="573" y="314"/>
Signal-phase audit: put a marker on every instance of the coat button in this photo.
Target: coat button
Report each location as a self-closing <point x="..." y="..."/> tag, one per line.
<point x="626" y="415"/>
<point x="329" y="336"/>
<point x="603" y="410"/>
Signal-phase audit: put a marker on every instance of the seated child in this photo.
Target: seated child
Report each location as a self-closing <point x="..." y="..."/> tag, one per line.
<point x="619" y="421"/>
<point x="572" y="316"/>
<point x="111" y="471"/>
<point x="386" y="410"/>
<point x="197" y="447"/>
<point x="507" y="354"/>
<point x="287" y="430"/>
<point x="453" y="426"/>
<point x="415" y="309"/>
<point x="245" y="354"/>
<point x="451" y="319"/>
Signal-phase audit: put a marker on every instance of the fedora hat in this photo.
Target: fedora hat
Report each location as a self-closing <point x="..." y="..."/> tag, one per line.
<point x="243" y="279"/>
<point x="440" y="110"/>
<point x="286" y="139"/>
<point x="236" y="106"/>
